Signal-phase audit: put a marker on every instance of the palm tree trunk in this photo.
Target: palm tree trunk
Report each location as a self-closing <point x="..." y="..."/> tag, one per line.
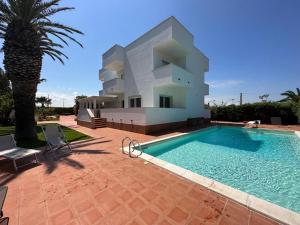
<point x="24" y="100"/>
<point x="23" y="63"/>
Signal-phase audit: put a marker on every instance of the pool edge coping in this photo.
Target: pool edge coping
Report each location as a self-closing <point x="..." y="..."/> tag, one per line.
<point x="269" y="209"/>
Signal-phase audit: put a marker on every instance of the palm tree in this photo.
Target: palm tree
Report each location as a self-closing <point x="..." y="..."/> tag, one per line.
<point x="264" y="97"/>
<point x="29" y="34"/>
<point x="43" y="101"/>
<point x="291" y="96"/>
<point x="76" y="106"/>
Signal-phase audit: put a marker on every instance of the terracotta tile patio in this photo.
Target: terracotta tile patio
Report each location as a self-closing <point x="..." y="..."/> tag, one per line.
<point x="97" y="184"/>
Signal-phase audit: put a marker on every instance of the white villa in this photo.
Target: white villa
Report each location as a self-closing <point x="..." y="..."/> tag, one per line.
<point x="154" y="83"/>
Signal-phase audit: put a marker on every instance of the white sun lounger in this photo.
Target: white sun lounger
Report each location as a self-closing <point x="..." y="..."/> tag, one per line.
<point x="55" y="137"/>
<point x="254" y="122"/>
<point x="9" y="150"/>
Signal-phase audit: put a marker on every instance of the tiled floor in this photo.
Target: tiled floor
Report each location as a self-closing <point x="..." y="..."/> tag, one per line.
<point x="99" y="185"/>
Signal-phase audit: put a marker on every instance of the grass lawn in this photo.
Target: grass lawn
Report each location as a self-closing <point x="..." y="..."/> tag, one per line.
<point x="70" y="134"/>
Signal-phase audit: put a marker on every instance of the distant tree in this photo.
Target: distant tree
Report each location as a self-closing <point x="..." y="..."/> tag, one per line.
<point x="264" y="97"/>
<point x="76" y="106"/>
<point x="43" y="101"/>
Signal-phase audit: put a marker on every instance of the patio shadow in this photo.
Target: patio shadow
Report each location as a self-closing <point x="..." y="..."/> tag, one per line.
<point x="52" y="162"/>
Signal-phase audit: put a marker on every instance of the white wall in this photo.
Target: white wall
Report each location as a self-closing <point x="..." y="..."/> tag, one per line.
<point x="139" y="68"/>
<point x="84" y="115"/>
<point x="144" y="116"/>
<point x="178" y="95"/>
<point x="128" y="116"/>
<point x="165" y="115"/>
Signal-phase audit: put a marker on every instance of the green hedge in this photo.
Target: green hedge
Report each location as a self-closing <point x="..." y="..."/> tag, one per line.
<point x="259" y="111"/>
<point x="51" y="111"/>
<point x="63" y="111"/>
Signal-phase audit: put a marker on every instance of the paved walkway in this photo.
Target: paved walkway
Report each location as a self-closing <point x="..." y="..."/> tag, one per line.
<point x="99" y="185"/>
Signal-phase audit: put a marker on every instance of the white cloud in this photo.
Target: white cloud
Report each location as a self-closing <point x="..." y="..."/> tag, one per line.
<point x="59" y="99"/>
<point x="224" y="83"/>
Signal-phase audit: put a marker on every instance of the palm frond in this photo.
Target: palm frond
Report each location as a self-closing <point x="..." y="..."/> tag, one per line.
<point x="49" y="12"/>
<point x="54" y="56"/>
<point x="37" y="13"/>
<point x="59" y="26"/>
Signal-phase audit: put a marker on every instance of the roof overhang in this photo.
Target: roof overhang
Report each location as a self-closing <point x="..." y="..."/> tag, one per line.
<point x="102" y="98"/>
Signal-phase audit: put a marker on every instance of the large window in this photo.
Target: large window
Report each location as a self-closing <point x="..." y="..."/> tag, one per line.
<point x="135" y="102"/>
<point x="165" y="101"/>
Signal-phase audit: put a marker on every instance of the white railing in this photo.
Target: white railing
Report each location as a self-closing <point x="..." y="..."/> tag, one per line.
<point x="124" y="115"/>
<point x="140" y="116"/>
<point x="115" y="85"/>
<point x="173" y="74"/>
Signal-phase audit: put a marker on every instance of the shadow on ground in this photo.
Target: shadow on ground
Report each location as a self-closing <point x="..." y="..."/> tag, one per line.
<point x="51" y="160"/>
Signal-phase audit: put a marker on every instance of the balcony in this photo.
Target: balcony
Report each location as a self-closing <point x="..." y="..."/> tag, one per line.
<point x="106" y="75"/>
<point x="172" y="74"/>
<point x="113" y="59"/>
<point x="114" y="86"/>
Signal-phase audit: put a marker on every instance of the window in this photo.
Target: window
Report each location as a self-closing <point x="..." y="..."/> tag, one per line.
<point x="164" y="101"/>
<point x="135" y="102"/>
<point x="132" y="103"/>
<point x="138" y="102"/>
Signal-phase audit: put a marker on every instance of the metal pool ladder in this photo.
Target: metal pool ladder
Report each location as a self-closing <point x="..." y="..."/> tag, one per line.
<point x="133" y="145"/>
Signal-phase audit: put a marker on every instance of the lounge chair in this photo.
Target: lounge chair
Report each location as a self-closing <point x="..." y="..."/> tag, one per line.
<point x="254" y="122"/>
<point x="3" y="192"/>
<point x="4" y="221"/>
<point x="55" y="137"/>
<point x="9" y="150"/>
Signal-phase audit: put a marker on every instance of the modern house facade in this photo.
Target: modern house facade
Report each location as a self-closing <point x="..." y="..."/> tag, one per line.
<point x="155" y="82"/>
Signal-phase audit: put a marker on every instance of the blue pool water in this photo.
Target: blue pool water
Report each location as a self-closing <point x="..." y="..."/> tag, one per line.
<point x="262" y="163"/>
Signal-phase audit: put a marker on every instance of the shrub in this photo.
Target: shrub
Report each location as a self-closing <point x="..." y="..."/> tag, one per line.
<point x="63" y="111"/>
<point x="256" y="111"/>
<point x="297" y="111"/>
<point x="43" y="112"/>
<point x="6" y="106"/>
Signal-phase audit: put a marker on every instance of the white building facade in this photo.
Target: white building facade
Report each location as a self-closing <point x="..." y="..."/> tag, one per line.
<point x="156" y="82"/>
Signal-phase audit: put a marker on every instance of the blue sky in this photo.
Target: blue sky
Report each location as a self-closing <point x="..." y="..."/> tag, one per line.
<point x="253" y="45"/>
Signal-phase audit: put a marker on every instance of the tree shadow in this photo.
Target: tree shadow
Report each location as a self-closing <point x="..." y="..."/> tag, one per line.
<point x="51" y="160"/>
<point x="7" y="177"/>
<point x="84" y="144"/>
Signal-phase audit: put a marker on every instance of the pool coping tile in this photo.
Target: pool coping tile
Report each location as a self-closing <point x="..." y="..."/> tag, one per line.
<point x="274" y="211"/>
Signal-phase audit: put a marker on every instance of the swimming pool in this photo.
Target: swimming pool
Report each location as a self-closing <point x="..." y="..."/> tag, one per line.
<point x="262" y="163"/>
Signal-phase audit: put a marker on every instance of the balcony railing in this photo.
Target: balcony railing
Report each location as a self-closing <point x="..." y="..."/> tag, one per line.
<point x="173" y="74"/>
<point x="114" y="86"/>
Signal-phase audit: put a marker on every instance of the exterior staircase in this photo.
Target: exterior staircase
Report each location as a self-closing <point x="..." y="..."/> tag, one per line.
<point x="98" y="122"/>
